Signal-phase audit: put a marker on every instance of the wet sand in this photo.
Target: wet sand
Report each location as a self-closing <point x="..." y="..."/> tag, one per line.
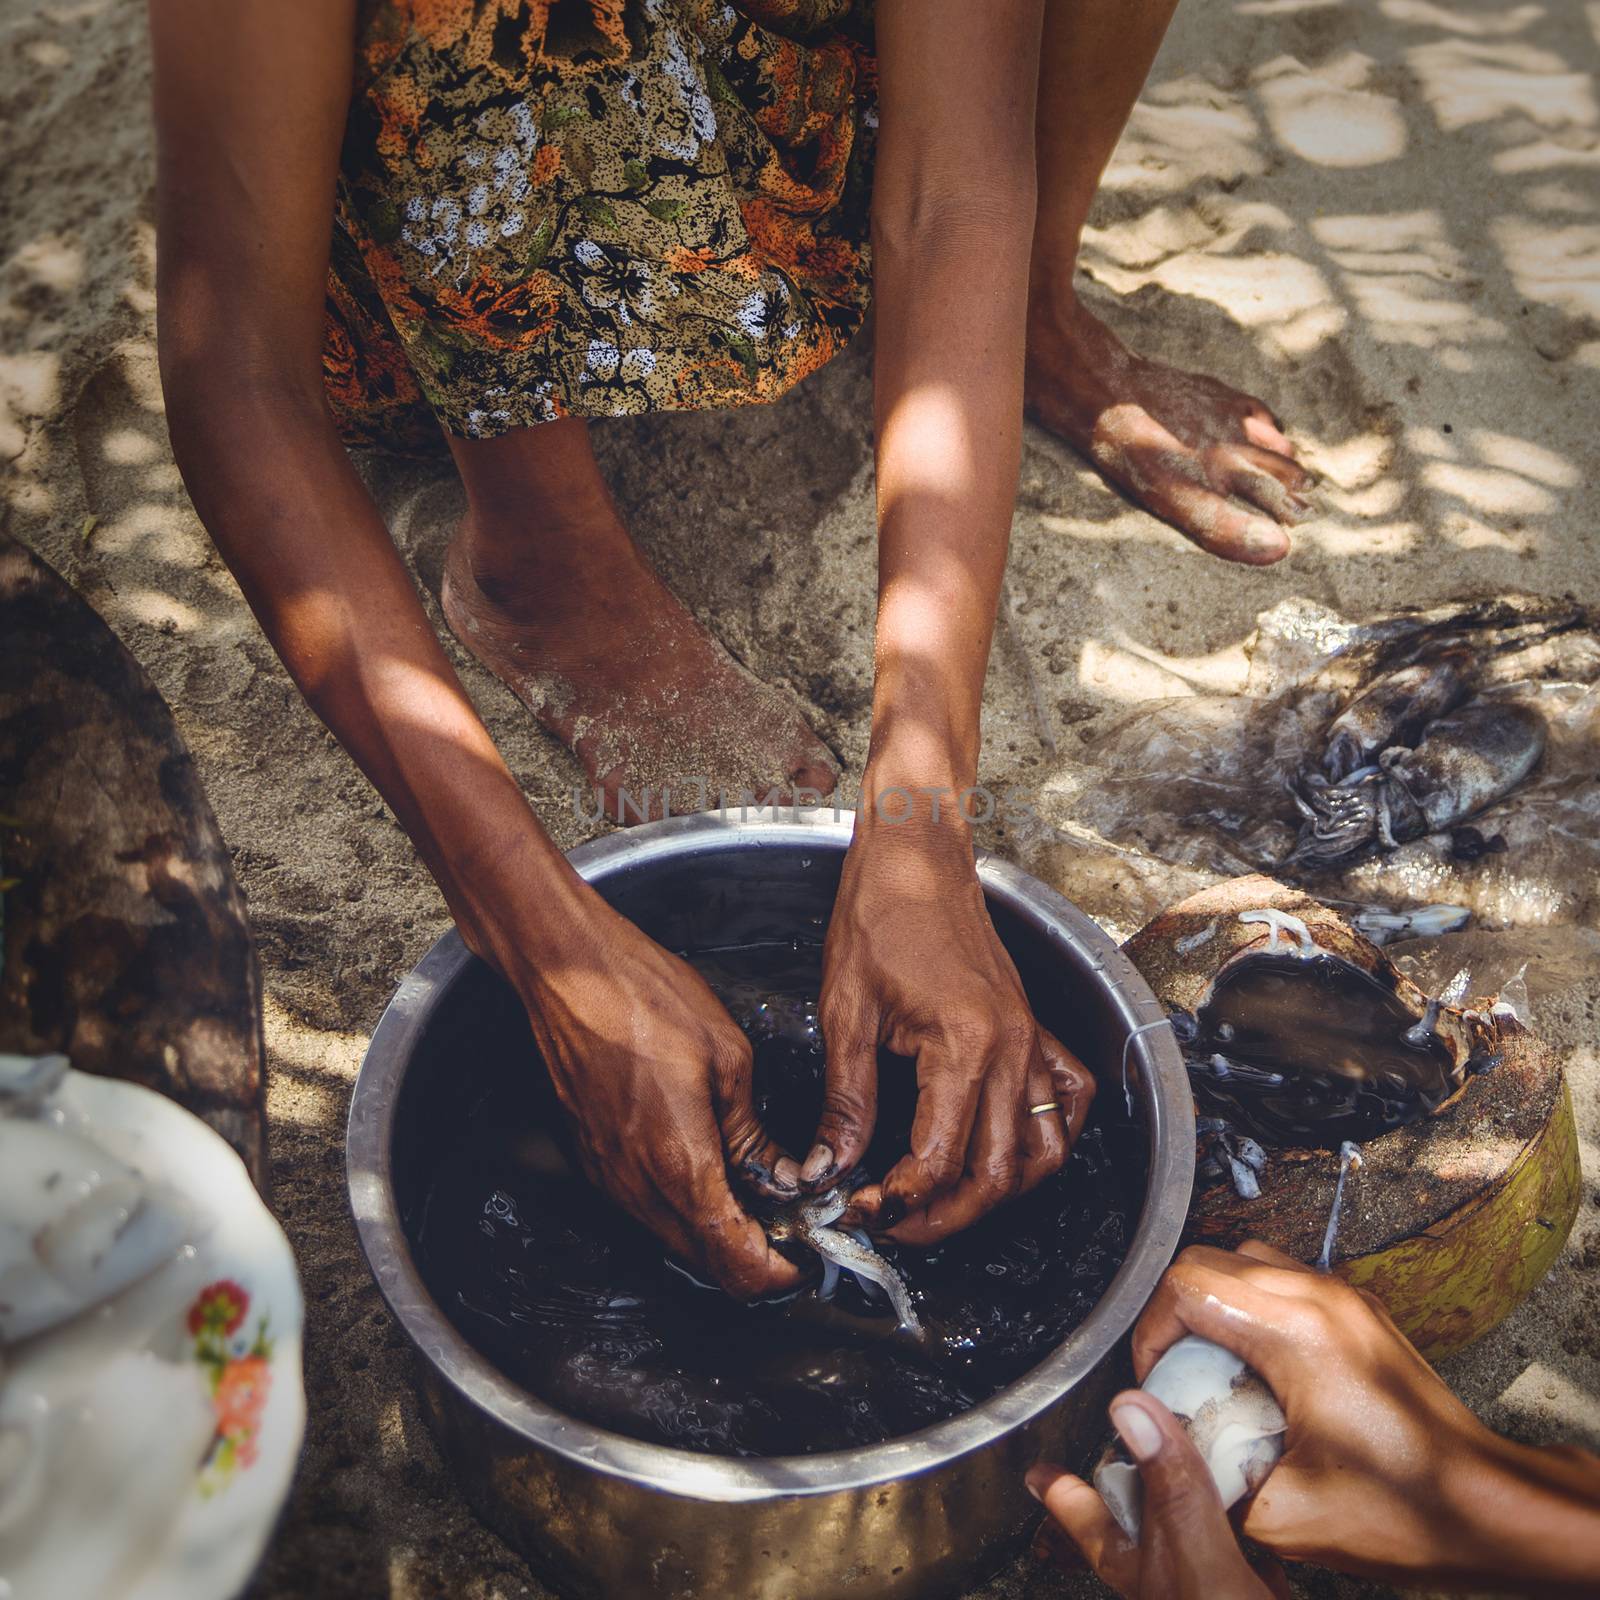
<point x="1383" y="219"/>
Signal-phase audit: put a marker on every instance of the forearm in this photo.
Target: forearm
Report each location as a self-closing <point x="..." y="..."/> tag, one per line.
<point x="1530" y="1521"/>
<point x="949" y="376"/>
<point x="952" y="228"/>
<point x="294" y="523"/>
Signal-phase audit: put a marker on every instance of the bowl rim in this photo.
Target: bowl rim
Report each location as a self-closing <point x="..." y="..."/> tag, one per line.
<point x="1162" y="1085"/>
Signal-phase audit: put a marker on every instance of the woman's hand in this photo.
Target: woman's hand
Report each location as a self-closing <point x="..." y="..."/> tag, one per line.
<point x="656" y="1076"/>
<point x="1186" y="1551"/>
<point x="913" y="963"/>
<point x="1386" y="1473"/>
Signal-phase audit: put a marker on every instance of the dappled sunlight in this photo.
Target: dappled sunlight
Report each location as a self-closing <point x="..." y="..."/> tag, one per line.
<point x="1545" y="155"/>
<point x="1559" y="266"/>
<point x="1381" y="499"/>
<point x="1355" y="463"/>
<point x="52" y="262"/>
<point x="1163" y="231"/>
<point x="1491" y="491"/>
<point x="1126" y="676"/>
<point x="30" y="386"/>
<point x="1532" y="460"/>
<point x="1282" y="8"/>
<point x="1382" y="220"/>
<point x="311" y="1069"/>
<point x="1541" y="1392"/>
<point x="1182" y="130"/>
<point x="1399" y="269"/>
<point x="1284" y="297"/>
<point x="1220" y="671"/>
<point x="1559" y="196"/>
<point x="161" y="611"/>
<point x="1359" y="540"/>
<point x="1329" y="117"/>
<point x="1490" y="24"/>
<point x="1467" y="83"/>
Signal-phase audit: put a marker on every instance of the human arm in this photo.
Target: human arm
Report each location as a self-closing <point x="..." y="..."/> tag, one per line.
<point x="1386" y="1473"/>
<point x="250" y="102"/>
<point x="913" y="962"/>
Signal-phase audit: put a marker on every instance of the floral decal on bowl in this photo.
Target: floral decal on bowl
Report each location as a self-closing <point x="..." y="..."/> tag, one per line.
<point x="237" y="1363"/>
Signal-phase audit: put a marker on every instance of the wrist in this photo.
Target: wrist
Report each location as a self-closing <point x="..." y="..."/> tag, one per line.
<point x="520" y="906"/>
<point x="1526" y="1516"/>
<point x="917" y="798"/>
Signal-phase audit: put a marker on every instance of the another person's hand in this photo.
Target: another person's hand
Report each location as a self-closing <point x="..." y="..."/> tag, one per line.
<point x="1187" y="1550"/>
<point x="657" y="1078"/>
<point x="1385" y="1472"/>
<point x="913" y="963"/>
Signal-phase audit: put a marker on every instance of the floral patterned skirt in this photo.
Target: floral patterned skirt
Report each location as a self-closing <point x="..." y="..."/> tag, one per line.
<point x="595" y="208"/>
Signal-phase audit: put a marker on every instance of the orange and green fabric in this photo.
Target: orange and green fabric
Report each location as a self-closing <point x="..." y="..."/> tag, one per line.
<point x="595" y="208"/>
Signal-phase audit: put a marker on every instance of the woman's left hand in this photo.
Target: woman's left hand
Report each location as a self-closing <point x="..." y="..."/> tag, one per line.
<point x="913" y="963"/>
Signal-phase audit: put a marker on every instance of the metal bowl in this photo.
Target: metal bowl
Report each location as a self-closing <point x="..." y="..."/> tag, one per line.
<point x="600" y="1515"/>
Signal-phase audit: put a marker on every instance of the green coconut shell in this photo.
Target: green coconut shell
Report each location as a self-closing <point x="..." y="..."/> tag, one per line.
<point x="1450" y="1221"/>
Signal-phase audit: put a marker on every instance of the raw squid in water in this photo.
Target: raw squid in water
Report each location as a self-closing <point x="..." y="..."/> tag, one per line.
<point x="810" y="1221"/>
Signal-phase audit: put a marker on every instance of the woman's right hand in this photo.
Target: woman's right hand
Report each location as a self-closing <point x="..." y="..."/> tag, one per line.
<point x="1386" y="1473"/>
<point x="657" y="1078"/>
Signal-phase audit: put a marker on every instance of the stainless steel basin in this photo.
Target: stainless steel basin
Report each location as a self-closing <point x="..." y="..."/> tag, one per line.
<point x="604" y="1517"/>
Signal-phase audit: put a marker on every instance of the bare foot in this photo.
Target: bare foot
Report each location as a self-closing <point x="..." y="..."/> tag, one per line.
<point x="1198" y="454"/>
<point x="586" y="635"/>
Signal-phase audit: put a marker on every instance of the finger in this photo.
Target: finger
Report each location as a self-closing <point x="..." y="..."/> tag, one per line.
<point x="1052" y="1545"/>
<point x="947" y="1104"/>
<point x="993" y="1172"/>
<point x="729" y="1245"/>
<point x="1080" y="1514"/>
<point x="1045" y="1136"/>
<point x="749" y="1149"/>
<point x="1186" y="1544"/>
<point x="1072" y="1087"/>
<point x="1222" y="1296"/>
<point x="1289" y="1502"/>
<point x="849" y="1102"/>
<point x="1272" y="1256"/>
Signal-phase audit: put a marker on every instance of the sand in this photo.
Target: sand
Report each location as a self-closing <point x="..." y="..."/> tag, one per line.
<point x="1384" y="219"/>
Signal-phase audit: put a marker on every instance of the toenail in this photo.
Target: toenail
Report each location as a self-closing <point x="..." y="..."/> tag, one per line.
<point x="1262" y="538"/>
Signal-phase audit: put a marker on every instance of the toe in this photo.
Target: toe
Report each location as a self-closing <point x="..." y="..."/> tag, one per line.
<point x="1226" y="529"/>
<point x="1252" y="481"/>
<point x="1261" y="428"/>
<point x="1286" y="470"/>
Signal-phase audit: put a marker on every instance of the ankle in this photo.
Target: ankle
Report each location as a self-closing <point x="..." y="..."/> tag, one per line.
<point x="1052" y="290"/>
<point x="510" y="556"/>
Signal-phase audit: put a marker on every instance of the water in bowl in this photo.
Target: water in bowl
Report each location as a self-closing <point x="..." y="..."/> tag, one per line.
<point x="574" y="1300"/>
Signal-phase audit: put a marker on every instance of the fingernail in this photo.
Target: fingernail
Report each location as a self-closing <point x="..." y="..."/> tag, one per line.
<point x="1029" y="1484"/>
<point x="786" y="1174"/>
<point x="893" y="1211"/>
<point x="1138" y="1431"/>
<point x="819" y="1164"/>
